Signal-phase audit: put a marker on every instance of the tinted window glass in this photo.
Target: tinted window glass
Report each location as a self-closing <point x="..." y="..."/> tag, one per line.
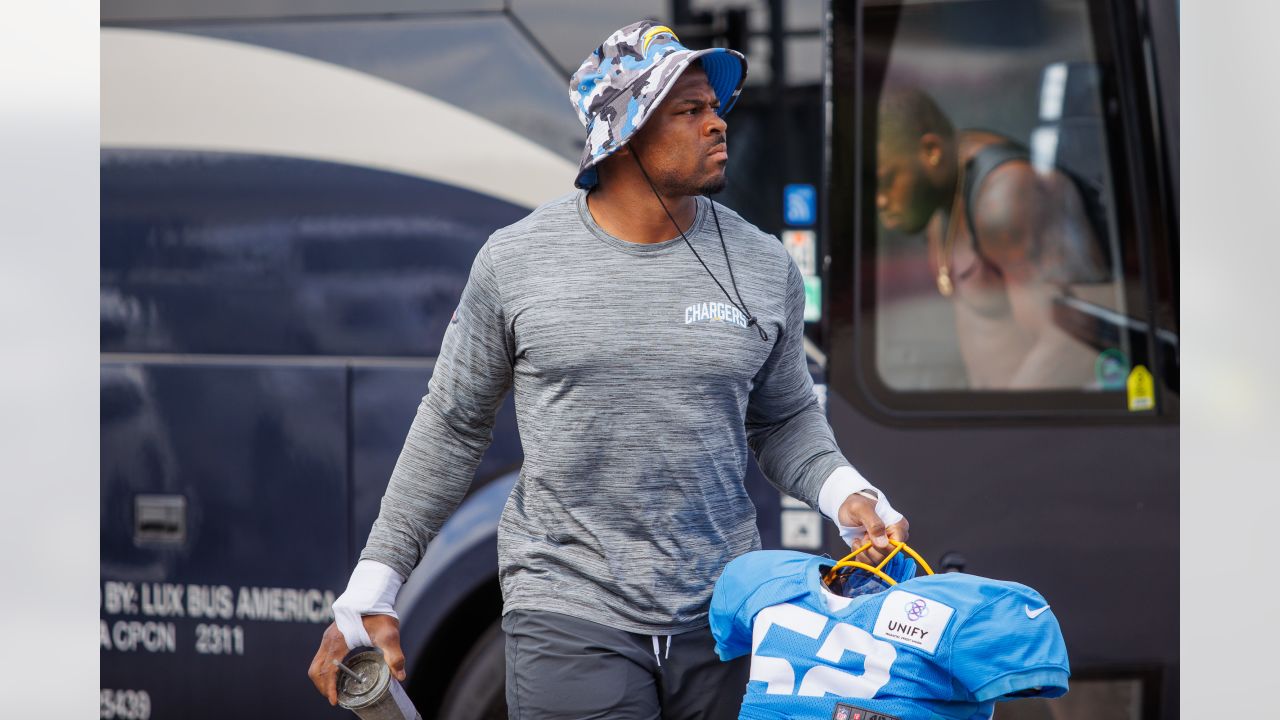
<point x="242" y="254"/>
<point x="1003" y="266"/>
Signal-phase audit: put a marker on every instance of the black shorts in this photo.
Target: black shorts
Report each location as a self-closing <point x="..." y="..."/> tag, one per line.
<point x="562" y="667"/>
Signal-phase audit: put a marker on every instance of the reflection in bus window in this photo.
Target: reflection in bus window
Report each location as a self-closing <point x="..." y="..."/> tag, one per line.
<point x="993" y="196"/>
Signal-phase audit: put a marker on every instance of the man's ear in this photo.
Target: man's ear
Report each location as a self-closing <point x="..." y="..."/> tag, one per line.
<point x="931" y="150"/>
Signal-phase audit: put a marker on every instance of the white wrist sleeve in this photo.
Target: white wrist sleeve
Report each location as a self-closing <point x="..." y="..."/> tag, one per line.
<point x="371" y="591"/>
<point x="839" y="485"/>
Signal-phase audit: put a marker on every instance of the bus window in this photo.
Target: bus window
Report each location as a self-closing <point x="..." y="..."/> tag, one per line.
<point x="1005" y="274"/>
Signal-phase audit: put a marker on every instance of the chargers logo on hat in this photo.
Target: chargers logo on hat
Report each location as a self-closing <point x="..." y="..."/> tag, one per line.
<point x="654" y="32"/>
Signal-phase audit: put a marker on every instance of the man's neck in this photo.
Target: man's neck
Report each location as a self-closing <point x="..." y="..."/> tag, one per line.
<point x="632" y="212"/>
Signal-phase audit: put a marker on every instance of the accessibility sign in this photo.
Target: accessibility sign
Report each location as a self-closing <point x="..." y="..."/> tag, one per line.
<point x="800" y="204"/>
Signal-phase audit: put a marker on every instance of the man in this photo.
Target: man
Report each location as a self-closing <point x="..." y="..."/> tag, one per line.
<point x="643" y="365"/>
<point x="1003" y="240"/>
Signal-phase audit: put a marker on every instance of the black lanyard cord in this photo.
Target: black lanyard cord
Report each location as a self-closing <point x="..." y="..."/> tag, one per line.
<point x="740" y="305"/>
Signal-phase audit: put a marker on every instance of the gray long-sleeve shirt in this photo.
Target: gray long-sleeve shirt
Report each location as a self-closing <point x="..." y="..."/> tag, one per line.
<point x="638" y="388"/>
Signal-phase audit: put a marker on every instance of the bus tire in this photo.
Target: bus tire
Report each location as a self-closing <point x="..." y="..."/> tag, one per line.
<point x="478" y="690"/>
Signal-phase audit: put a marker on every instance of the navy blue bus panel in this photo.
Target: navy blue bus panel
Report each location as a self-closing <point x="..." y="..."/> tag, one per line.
<point x="269" y="327"/>
<point x="224" y="516"/>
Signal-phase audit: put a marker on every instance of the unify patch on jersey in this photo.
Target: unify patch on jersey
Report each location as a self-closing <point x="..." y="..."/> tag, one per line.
<point x="908" y="618"/>
<point x="852" y="712"/>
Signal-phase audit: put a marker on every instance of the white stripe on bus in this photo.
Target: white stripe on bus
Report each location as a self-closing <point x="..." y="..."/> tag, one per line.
<point x="184" y="92"/>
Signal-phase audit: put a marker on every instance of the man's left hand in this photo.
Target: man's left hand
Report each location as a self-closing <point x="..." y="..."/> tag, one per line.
<point x="860" y="511"/>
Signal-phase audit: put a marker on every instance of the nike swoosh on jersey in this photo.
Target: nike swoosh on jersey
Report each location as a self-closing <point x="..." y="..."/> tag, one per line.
<point x="1033" y="614"/>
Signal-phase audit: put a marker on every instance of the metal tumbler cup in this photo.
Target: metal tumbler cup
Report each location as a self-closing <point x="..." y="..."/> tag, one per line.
<point x="366" y="687"/>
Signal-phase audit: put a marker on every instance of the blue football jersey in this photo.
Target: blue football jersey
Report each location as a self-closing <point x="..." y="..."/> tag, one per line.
<point x="937" y="646"/>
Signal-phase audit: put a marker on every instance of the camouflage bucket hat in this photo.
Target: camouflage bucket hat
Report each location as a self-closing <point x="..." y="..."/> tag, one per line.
<point x="621" y="82"/>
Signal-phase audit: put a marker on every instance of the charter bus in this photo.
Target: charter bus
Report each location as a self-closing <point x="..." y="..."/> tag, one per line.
<point x="292" y="195"/>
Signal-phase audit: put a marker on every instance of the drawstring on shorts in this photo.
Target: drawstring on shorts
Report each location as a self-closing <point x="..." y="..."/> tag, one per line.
<point x="664" y="655"/>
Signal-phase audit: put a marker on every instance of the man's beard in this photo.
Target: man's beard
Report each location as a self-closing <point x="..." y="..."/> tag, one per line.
<point x="707" y="186"/>
<point x="714" y="185"/>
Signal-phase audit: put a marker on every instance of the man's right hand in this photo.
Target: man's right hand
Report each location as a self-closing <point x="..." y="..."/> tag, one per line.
<point x="384" y="632"/>
<point x="859" y="511"/>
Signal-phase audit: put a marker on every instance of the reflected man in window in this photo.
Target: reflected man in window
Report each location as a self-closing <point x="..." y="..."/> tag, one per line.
<point x="1004" y="239"/>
